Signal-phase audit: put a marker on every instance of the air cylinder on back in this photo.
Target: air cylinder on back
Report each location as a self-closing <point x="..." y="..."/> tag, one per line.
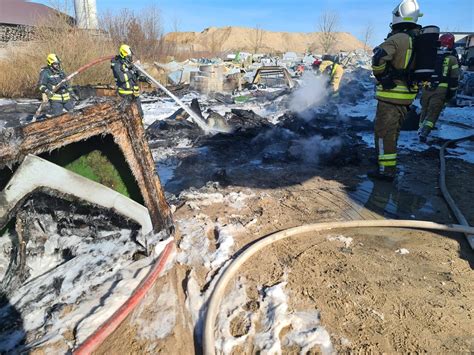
<point x="426" y="47"/>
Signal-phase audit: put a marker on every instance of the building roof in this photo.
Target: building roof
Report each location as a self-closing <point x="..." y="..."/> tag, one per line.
<point x="20" y="12"/>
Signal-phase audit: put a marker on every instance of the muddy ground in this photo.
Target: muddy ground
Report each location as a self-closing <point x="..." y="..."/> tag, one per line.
<point x="386" y="290"/>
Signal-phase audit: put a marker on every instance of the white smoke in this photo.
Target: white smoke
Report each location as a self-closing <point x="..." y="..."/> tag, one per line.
<point x="312" y="149"/>
<point x="312" y="93"/>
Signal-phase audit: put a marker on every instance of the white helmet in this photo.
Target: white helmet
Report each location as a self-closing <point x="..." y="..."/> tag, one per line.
<point x="408" y="11"/>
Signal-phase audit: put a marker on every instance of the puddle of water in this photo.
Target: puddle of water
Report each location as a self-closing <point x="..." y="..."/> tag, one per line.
<point x="392" y="201"/>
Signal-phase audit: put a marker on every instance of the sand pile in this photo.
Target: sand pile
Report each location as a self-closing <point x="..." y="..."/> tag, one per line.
<point x="252" y="40"/>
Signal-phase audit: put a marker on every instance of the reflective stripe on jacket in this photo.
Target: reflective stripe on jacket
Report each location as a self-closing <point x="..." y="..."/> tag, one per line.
<point x="125" y="77"/>
<point x="49" y="79"/>
<point x="399" y="49"/>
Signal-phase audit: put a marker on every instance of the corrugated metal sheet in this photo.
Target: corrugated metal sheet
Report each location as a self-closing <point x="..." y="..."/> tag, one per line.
<point x="19" y="12"/>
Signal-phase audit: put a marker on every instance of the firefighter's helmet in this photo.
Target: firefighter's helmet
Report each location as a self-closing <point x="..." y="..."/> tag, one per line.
<point x="408" y="11"/>
<point x="125" y="51"/>
<point x="447" y="41"/>
<point x="52" y="59"/>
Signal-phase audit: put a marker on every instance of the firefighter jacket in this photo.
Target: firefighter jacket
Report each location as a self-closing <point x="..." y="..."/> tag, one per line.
<point x="334" y="71"/>
<point x="49" y="79"/>
<point x="391" y="64"/>
<point x="446" y="75"/>
<point x="126" y="77"/>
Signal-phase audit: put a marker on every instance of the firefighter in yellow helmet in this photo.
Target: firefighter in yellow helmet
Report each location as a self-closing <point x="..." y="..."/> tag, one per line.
<point x="50" y="77"/>
<point x="391" y="63"/>
<point x="334" y="71"/>
<point x="126" y="76"/>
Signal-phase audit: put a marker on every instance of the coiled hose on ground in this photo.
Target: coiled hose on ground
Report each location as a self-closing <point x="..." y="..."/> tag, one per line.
<point x="217" y="295"/>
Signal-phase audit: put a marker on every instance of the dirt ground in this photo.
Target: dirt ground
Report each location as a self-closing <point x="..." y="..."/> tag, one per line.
<point x="373" y="295"/>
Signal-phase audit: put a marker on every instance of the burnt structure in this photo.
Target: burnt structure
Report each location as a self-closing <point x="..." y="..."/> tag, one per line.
<point x="111" y="123"/>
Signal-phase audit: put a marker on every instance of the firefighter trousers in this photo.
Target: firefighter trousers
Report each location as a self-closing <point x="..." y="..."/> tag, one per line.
<point x="132" y="98"/>
<point x="60" y="107"/>
<point x="388" y="121"/>
<point x="432" y="104"/>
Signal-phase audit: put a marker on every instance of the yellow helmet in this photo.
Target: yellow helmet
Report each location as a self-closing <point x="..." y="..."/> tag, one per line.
<point x="52" y="59"/>
<point x="125" y="51"/>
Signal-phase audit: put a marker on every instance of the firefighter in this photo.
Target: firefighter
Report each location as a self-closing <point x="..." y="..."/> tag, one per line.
<point x="441" y="88"/>
<point x="126" y="76"/>
<point x="391" y="63"/>
<point x="333" y="70"/>
<point x="58" y="97"/>
<point x="315" y="66"/>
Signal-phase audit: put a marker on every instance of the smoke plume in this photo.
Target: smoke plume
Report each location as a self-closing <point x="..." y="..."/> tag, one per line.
<point x="312" y="93"/>
<point x="315" y="148"/>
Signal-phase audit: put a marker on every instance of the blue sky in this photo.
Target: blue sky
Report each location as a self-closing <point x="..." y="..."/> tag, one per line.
<point x="298" y="16"/>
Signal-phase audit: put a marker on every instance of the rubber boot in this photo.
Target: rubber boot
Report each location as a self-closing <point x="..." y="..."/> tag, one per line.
<point x="388" y="174"/>
<point x="423" y="133"/>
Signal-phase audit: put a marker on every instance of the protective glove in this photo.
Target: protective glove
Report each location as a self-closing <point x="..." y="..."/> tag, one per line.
<point x="74" y="96"/>
<point x="144" y="79"/>
<point x="49" y="93"/>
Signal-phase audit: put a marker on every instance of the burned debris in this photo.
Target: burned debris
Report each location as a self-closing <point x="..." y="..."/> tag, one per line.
<point x="107" y="118"/>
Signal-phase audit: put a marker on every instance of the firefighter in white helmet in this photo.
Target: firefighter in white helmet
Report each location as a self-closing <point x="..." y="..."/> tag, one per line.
<point x="391" y="63"/>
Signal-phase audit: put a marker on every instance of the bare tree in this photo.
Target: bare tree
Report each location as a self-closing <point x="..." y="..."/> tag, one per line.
<point x="63" y="6"/>
<point x="368" y="34"/>
<point x="328" y="23"/>
<point x="142" y="31"/>
<point x="257" y="40"/>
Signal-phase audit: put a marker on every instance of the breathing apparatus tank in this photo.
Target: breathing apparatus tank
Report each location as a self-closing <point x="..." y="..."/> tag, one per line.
<point x="425" y="47"/>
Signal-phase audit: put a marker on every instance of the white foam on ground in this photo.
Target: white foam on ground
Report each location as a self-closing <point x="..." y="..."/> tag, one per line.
<point x="4" y="102"/>
<point x="195" y="244"/>
<point x="198" y="198"/>
<point x="195" y="251"/>
<point x="225" y="241"/>
<point x="155" y="318"/>
<point x="306" y="331"/>
<point x="275" y="309"/>
<point x="232" y="307"/>
<point x="340" y="238"/>
<point x="6" y="246"/>
<point x="164" y="107"/>
<point x="92" y="286"/>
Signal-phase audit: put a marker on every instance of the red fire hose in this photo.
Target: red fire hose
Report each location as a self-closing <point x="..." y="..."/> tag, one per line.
<point x="70" y="76"/>
<point x="97" y="338"/>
